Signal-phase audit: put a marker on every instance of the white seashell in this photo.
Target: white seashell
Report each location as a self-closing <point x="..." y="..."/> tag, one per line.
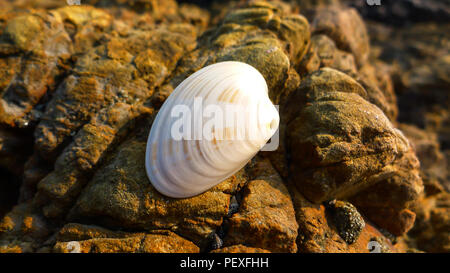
<point x="185" y="166"/>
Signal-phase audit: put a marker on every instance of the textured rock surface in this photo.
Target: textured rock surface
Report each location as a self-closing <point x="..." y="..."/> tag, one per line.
<point x="266" y="217"/>
<point x="419" y="54"/>
<point x="346" y="28"/>
<point x="340" y="143"/>
<point x="432" y="230"/>
<point x="92" y="239"/>
<point x="240" y="249"/>
<point x="347" y="220"/>
<point x="81" y="85"/>
<point x="318" y="234"/>
<point x="406" y="11"/>
<point x="120" y="195"/>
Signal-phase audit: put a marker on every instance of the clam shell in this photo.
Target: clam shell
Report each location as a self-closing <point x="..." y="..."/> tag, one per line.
<point x="210" y="126"/>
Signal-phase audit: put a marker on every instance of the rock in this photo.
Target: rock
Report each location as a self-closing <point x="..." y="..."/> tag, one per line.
<point x="9" y="191"/>
<point x="35" y="47"/>
<point x="446" y="183"/>
<point x="432" y="230"/>
<point x="59" y="189"/>
<point x="376" y="79"/>
<point x="15" y="147"/>
<point x="42" y="43"/>
<point x="43" y="4"/>
<point x="402" y="12"/>
<point x="23" y="229"/>
<point x="80" y="86"/>
<point x="35" y="169"/>
<point x="124" y="70"/>
<point x="336" y="148"/>
<point x="426" y="78"/>
<point x="420" y="68"/>
<point x="317" y="233"/>
<point x="215" y="242"/>
<point x="104" y="104"/>
<point x="349" y="223"/>
<point x="240" y="249"/>
<point x="335" y="137"/>
<point x="157" y="8"/>
<point x="346" y="28"/>
<point x="234" y="206"/>
<point x="120" y="195"/>
<point x="266" y="217"/>
<point x="432" y="161"/>
<point x="259" y="33"/>
<point x="388" y="203"/>
<point x="331" y="56"/>
<point x="323" y="81"/>
<point x="43" y="46"/>
<point x="90" y="239"/>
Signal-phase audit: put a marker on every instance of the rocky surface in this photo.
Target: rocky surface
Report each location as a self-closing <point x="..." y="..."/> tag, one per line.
<point x="364" y="132"/>
<point x="91" y="239"/>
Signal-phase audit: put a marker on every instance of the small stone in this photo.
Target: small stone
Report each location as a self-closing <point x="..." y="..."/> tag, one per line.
<point x="234" y="206"/>
<point x="216" y="241"/>
<point x="347" y="220"/>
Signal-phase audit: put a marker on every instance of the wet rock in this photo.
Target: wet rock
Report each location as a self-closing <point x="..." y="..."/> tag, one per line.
<point x="266" y="217"/>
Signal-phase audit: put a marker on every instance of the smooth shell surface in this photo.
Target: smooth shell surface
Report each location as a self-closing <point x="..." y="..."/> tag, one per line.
<point x="224" y="116"/>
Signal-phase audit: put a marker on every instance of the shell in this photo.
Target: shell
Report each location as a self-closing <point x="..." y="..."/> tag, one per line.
<point x="231" y="119"/>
